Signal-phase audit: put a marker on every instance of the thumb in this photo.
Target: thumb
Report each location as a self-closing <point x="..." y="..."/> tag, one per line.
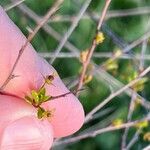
<point x="27" y="133"/>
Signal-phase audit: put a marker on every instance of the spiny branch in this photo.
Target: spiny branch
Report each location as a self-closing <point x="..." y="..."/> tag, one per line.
<point x="92" y="48"/>
<point x="29" y="39"/>
<point x="109" y="98"/>
<point x="100" y="131"/>
<point x="10" y="6"/>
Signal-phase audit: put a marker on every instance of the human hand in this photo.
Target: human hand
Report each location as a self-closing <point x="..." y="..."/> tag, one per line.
<point x="19" y="126"/>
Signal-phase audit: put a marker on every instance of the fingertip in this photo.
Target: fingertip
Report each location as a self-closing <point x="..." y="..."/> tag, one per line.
<point x="68" y="116"/>
<point x="27" y="133"/>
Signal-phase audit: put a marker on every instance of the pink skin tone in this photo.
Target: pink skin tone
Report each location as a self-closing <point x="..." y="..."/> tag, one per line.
<point x="20" y="129"/>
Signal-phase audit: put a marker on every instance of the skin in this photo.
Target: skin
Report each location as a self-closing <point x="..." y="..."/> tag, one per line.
<point x="20" y="129"/>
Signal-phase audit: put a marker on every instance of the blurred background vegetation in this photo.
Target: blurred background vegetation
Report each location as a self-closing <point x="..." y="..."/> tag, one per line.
<point x="119" y="32"/>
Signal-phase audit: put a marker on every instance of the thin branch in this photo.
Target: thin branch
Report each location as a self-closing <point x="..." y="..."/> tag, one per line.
<point x="102" y="113"/>
<point x="94" y="45"/>
<point x="110" y="14"/>
<point x="95" y="55"/>
<point x="30" y="37"/>
<point x="128" y="12"/>
<point x="102" y="75"/>
<point x="131" y="107"/>
<point x="129" y="117"/>
<point x="106" y="121"/>
<point x="118" y="85"/>
<point x="134" y="139"/>
<point x="71" y="29"/>
<point x="47" y="28"/>
<point x="98" y="132"/>
<point x="107" y="3"/>
<point x="109" y="98"/>
<point x="143" y="51"/>
<point x="137" y="42"/>
<point x="130" y="47"/>
<point x="14" y="4"/>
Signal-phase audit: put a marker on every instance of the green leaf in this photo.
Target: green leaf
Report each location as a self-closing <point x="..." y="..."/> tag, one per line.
<point x="40" y="112"/>
<point x="35" y="96"/>
<point x="41" y="98"/>
<point x="42" y="91"/>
